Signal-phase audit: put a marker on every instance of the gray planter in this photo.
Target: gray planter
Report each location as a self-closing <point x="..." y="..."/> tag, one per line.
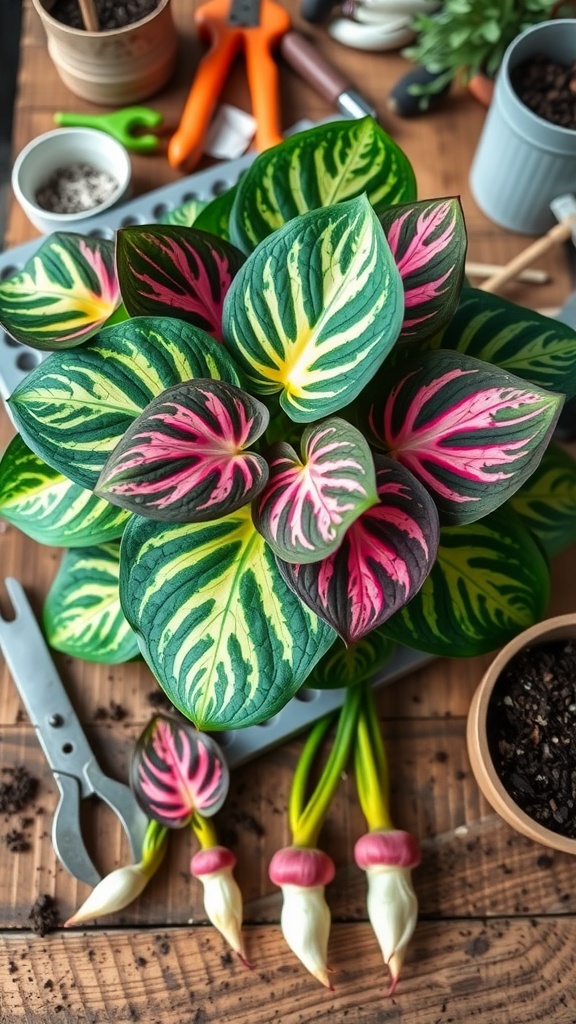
<point x="523" y="162"/>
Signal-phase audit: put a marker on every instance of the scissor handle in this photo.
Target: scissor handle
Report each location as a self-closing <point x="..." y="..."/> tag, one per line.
<point x="186" y="145"/>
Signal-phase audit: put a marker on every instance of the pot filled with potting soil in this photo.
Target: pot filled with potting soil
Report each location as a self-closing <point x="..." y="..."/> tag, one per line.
<point x="521" y="733"/>
<point x="526" y="155"/>
<point x="130" y="57"/>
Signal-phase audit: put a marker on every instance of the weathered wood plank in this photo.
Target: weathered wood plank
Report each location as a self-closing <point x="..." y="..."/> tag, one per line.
<point x="510" y="971"/>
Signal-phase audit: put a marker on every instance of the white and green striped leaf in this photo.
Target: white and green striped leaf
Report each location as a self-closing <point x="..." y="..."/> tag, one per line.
<point x="82" y="613"/>
<point x="226" y="638"/>
<point x="315" y="310"/>
<point x="490" y="581"/>
<point x="74" y="407"/>
<point x="319" y="167"/>
<point x="186" y="214"/>
<point x="348" y="665"/>
<point x="547" y="501"/>
<point x="48" y="507"/>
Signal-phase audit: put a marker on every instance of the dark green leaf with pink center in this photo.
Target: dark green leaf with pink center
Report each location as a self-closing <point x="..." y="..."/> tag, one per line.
<point x="186" y="458"/>
<point x="471" y="432"/>
<point x="176" y="271"/>
<point x="382" y="562"/>
<point x="308" y="504"/>
<point x="66" y="292"/>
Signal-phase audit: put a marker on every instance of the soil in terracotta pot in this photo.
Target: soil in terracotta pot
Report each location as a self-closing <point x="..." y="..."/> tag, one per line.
<point x="547" y="88"/>
<point x="531" y="728"/>
<point x="111" y="13"/>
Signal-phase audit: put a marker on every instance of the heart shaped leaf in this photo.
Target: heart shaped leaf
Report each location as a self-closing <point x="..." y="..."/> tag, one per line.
<point x="176" y="271"/>
<point x="319" y="167"/>
<point x="177" y="771"/>
<point x="382" y="562"/>
<point x="65" y="293"/>
<point x="490" y="582"/>
<point x="307" y="505"/>
<point x="534" y="347"/>
<point x="428" y="242"/>
<point x="547" y="501"/>
<point x="184" y="459"/>
<point x="82" y="613"/>
<point x="227" y="639"/>
<point x="470" y="432"/>
<point x="315" y="309"/>
<point x="48" y="507"/>
<point x="73" y="409"/>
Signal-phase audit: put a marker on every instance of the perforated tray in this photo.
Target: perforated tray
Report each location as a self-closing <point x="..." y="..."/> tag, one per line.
<point x="17" y="360"/>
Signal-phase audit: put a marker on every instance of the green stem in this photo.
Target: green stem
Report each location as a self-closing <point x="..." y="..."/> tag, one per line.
<point x="302" y="771"/>
<point x="306" y="828"/>
<point x="154" y="845"/>
<point x="371" y="767"/>
<point x="204" y="831"/>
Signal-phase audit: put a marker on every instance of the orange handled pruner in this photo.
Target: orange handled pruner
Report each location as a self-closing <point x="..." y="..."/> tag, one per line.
<point x="231" y="25"/>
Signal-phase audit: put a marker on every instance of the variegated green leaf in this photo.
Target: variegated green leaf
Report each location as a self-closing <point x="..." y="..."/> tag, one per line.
<point x="48" y="507"/>
<point x="67" y="290"/>
<point x="308" y="504"/>
<point x="215" y="217"/>
<point x="428" y="242"/>
<point x="534" y="347"/>
<point x="176" y="271"/>
<point x="344" y="666"/>
<point x="226" y="638"/>
<point x="490" y="582"/>
<point x="187" y="457"/>
<point x="319" y="167"/>
<point x="547" y="501"/>
<point x="315" y="309"/>
<point x="74" y="407"/>
<point x="82" y="613"/>
<point x="186" y="214"/>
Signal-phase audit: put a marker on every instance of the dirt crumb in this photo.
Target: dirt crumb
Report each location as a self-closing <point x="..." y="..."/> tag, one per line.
<point x="17" y="789"/>
<point x="44" y="915"/>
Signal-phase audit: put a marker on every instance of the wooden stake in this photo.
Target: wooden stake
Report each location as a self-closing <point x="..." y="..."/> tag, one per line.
<point x="559" y="233"/>
<point x="89" y="15"/>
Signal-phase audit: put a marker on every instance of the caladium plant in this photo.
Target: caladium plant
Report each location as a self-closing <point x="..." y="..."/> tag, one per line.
<point x="310" y="435"/>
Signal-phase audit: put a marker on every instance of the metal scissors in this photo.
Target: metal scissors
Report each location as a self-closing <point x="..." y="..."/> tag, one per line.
<point x="231" y="25"/>
<point x="122" y="124"/>
<point x="62" y="739"/>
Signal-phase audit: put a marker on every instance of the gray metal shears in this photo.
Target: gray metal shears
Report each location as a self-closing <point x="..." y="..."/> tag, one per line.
<point x="63" y="741"/>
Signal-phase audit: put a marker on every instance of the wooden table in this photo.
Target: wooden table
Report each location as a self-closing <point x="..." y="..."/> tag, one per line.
<point x="497" y="930"/>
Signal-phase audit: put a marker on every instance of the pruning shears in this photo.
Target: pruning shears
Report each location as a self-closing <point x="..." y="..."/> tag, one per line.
<point x="256" y="26"/>
<point x="74" y="766"/>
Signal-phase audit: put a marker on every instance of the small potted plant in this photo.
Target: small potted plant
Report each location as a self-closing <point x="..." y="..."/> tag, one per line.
<point x="464" y="42"/>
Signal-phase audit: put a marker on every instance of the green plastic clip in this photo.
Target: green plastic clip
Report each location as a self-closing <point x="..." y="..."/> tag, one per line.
<point x="121" y="124"/>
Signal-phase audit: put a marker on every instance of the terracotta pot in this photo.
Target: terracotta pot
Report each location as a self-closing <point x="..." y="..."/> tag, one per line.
<point x="117" y="67"/>
<point x="482" y="89"/>
<point x="560" y="628"/>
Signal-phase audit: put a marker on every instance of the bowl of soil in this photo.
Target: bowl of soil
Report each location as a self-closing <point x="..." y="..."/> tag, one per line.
<point x="66" y="176"/>
<point x="521" y="733"/>
<point x="526" y="154"/>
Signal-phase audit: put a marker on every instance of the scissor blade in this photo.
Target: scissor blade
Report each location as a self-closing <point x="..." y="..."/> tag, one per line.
<point x="58" y="729"/>
<point x="244" y="13"/>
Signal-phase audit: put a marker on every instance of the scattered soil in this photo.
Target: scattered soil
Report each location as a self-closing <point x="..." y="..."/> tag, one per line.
<point x="111" y="14"/>
<point x="44" y="915"/>
<point x="532" y="733"/>
<point x="17" y="789"/>
<point x="16" y="841"/>
<point x="158" y="699"/>
<point x="114" y="712"/>
<point x="547" y="88"/>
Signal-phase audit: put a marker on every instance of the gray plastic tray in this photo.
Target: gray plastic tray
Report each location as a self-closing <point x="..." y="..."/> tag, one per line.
<point x="17" y="360"/>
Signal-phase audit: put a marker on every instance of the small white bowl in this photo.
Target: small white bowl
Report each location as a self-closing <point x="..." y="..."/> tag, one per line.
<point x="55" y="150"/>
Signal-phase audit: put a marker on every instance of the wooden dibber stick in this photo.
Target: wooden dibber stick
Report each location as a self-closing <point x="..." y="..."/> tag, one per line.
<point x="89" y="15"/>
<point x="564" y="208"/>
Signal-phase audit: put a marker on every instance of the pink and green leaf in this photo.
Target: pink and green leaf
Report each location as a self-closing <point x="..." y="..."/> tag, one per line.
<point x="537" y="348"/>
<point x="428" y="242"/>
<point x="66" y="292"/>
<point x="177" y="770"/>
<point x="490" y="581"/>
<point x="315" y="310"/>
<point x="309" y="503"/>
<point x="73" y="409"/>
<point x="166" y="270"/>
<point x="186" y="457"/>
<point x="470" y="432"/>
<point x="382" y="562"/>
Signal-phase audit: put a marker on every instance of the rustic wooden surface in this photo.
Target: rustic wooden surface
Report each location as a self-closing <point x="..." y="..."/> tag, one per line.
<point x="497" y="924"/>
